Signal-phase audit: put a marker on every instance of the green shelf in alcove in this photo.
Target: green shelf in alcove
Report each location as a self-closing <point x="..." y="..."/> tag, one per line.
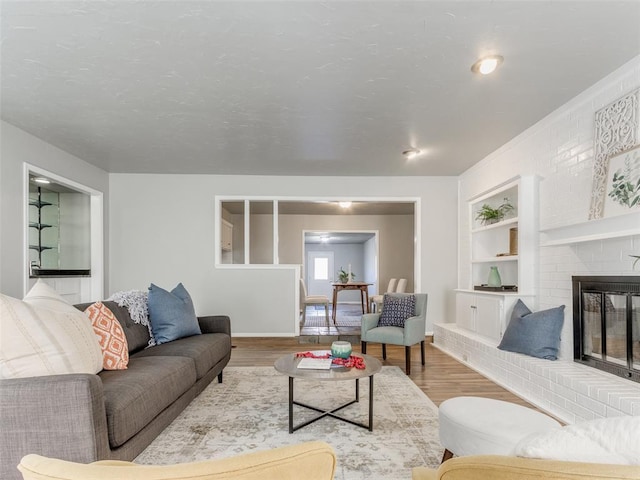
<point x="39" y="203"/>
<point x="40" y="248"/>
<point x="39" y="226"/>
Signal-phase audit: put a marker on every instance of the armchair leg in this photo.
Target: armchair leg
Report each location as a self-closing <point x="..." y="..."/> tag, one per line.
<point x="220" y="377"/>
<point x="407" y="353"/>
<point x="364" y="347"/>
<point x="422" y="351"/>
<point x="384" y="351"/>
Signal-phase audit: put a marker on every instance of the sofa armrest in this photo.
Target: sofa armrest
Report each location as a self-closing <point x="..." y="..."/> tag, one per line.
<point x="215" y="324"/>
<point x="62" y="416"/>
<point x="492" y="467"/>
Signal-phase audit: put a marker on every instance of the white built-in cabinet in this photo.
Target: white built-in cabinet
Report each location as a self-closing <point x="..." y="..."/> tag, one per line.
<point x="511" y="245"/>
<point x="486" y="313"/>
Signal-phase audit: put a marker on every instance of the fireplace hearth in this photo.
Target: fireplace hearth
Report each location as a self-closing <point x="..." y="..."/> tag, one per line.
<point x="606" y="324"/>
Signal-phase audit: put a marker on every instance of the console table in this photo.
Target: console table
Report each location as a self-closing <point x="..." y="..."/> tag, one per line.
<point x="364" y="295"/>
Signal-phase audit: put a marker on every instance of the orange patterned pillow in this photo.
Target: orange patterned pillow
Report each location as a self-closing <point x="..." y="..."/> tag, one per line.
<point x="115" y="351"/>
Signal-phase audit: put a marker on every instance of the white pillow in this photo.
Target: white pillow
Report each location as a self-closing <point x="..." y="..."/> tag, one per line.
<point x="44" y="335"/>
<point x="607" y="440"/>
<point x="44" y="296"/>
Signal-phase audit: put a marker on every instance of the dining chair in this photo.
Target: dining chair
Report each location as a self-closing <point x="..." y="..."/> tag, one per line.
<point x="402" y="285"/>
<point x="411" y="333"/>
<point x="307" y="300"/>
<point x="376" y="300"/>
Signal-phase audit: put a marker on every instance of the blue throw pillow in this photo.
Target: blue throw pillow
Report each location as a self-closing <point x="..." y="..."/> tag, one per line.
<point x="395" y="310"/>
<point x="535" y="334"/>
<point x="172" y="314"/>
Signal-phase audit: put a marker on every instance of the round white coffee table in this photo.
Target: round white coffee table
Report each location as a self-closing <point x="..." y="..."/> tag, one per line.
<point x="288" y="365"/>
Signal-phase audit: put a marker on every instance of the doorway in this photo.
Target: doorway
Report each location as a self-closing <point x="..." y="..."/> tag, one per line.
<point x="326" y="253"/>
<point x="63" y="246"/>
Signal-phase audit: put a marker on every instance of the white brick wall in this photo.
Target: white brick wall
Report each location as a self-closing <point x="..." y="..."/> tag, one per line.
<point x="559" y="149"/>
<point x="567" y="390"/>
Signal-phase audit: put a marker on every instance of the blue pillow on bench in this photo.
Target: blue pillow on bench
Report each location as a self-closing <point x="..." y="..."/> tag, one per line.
<point x="535" y="334"/>
<point x="172" y="314"/>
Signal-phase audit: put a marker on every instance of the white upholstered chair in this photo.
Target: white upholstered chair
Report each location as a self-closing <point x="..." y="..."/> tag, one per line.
<point x="316" y="459"/>
<point x="402" y="285"/>
<point x="307" y="300"/>
<point x="376" y="300"/>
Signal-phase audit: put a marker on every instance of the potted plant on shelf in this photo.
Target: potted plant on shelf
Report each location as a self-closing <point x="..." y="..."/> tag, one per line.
<point x="344" y="276"/>
<point x="488" y="215"/>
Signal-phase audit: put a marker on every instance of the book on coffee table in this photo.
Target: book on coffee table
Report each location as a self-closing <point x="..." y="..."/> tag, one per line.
<point x="315" y="363"/>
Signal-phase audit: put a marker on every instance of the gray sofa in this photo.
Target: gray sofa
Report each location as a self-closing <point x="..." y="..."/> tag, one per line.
<point x="114" y="414"/>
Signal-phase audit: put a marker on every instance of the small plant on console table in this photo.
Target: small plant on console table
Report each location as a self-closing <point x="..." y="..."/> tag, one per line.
<point x="344" y="276"/>
<point x="488" y="215"/>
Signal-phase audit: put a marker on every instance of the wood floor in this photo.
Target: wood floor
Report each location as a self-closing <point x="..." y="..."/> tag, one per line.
<point x="441" y="378"/>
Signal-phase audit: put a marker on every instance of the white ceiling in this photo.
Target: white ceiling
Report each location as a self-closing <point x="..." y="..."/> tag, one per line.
<point x="298" y="88"/>
<point x="337" y="237"/>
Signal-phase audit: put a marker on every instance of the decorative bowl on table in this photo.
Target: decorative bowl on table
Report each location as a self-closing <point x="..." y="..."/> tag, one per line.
<point x="341" y="349"/>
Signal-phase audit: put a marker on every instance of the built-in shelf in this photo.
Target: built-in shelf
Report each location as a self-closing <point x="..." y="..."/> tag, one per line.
<point x="40" y="203"/>
<point x="39" y="226"/>
<point x="509" y="248"/>
<point x="503" y="223"/>
<point x="40" y="248"/>
<point x="56" y="272"/>
<point x="504" y="258"/>
<point x="600" y="229"/>
<point x="496" y="294"/>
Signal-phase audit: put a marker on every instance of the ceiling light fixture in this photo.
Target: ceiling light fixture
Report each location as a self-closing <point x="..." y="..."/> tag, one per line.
<point x="487" y="65"/>
<point x="411" y="153"/>
<point x="344" y="204"/>
<point x="41" y="180"/>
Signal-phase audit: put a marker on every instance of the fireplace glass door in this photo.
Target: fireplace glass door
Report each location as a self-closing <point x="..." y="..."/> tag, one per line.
<point x="635" y="330"/>
<point x="606" y="324"/>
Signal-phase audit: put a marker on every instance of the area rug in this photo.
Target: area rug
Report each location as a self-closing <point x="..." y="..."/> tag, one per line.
<point x="344" y="317"/>
<point x="249" y="412"/>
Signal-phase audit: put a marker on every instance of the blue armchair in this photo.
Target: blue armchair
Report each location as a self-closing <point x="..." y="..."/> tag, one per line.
<point x="412" y="333"/>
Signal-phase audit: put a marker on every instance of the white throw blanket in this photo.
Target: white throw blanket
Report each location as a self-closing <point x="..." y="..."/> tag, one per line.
<point x="605" y="440"/>
<point x="136" y="301"/>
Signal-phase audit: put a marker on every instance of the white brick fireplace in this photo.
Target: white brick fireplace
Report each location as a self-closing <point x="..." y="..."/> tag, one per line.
<point x="559" y="150"/>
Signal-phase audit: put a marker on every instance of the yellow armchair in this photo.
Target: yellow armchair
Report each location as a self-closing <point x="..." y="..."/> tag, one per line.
<point x="312" y="460"/>
<point x="494" y="467"/>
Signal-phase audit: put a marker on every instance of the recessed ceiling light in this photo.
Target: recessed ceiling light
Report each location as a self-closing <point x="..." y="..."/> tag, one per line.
<point x="411" y="153"/>
<point x="41" y="180"/>
<point x="487" y="65"/>
<point x="344" y="204"/>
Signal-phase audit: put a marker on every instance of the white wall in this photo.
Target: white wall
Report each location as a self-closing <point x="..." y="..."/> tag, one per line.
<point x="162" y="231"/>
<point x="17" y="147"/>
<point x="370" y="273"/>
<point x="560" y="150"/>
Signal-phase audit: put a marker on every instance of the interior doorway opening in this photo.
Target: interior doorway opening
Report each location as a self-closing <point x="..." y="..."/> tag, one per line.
<point x="326" y="254"/>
